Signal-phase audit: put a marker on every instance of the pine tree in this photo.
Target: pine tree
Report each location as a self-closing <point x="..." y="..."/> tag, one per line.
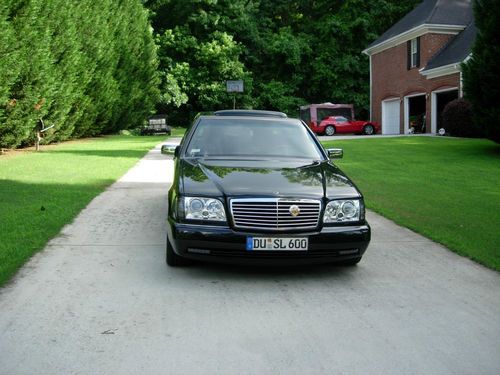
<point x="88" y="67"/>
<point x="482" y="73"/>
<point x="10" y="69"/>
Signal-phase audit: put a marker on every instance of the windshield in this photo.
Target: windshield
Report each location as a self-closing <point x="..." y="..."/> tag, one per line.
<point x="252" y="137"/>
<point x="329" y="112"/>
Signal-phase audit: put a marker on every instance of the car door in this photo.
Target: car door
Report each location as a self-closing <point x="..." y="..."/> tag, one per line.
<point x="342" y="125"/>
<point x="356" y="126"/>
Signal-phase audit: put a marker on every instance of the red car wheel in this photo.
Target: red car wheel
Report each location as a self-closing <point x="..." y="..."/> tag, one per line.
<point x="369" y="129"/>
<point x="329" y="130"/>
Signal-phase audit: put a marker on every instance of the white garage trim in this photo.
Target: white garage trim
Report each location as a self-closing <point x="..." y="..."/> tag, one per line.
<point x="434" y="107"/>
<point x="406" y="129"/>
<point x="441" y="71"/>
<point x="391" y="116"/>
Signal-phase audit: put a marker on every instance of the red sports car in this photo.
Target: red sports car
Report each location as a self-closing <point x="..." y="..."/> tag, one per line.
<point x="339" y="124"/>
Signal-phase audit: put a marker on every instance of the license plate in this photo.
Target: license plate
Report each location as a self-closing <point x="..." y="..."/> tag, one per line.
<point x="277" y="243"/>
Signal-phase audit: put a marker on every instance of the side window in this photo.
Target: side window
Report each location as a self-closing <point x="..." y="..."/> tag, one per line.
<point x="413" y="47"/>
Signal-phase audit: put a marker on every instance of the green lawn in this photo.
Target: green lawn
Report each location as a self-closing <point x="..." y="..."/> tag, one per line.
<point x="447" y="189"/>
<point x="41" y="192"/>
<point x="178" y="131"/>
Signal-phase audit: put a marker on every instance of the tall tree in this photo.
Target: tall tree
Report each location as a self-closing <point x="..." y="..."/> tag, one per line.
<point x="11" y="54"/>
<point x="293" y="51"/>
<point x="88" y="67"/>
<point x="482" y="72"/>
<point x="196" y="56"/>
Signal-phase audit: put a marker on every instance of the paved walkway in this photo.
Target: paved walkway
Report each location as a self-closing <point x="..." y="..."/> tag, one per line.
<point x="100" y="300"/>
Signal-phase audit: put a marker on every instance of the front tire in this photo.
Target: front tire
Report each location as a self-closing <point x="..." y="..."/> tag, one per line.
<point x="174" y="260"/>
<point x="329" y="130"/>
<point x="369" y="129"/>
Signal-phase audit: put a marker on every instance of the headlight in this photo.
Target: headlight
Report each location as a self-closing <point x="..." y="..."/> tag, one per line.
<point x="341" y="211"/>
<point x="196" y="208"/>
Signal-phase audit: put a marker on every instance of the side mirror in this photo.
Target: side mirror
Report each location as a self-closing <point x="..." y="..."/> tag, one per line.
<point x="170" y="149"/>
<point x="335" y="153"/>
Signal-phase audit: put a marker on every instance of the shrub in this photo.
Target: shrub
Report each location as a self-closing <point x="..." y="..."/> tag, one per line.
<point x="458" y="121"/>
<point x="133" y="131"/>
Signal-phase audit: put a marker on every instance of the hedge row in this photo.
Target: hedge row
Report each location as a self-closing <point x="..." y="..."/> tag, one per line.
<point x="89" y="67"/>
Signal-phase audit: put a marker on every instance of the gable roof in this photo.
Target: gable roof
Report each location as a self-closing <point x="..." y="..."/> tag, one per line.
<point x="449" y="16"/>
<point x="456" y="51"/>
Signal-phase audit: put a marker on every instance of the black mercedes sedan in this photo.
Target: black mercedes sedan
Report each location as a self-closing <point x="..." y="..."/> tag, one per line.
<point x="261" y="190"/>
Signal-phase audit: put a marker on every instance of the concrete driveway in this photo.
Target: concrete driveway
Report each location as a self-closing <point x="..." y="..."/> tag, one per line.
<point x="100" y="300"/>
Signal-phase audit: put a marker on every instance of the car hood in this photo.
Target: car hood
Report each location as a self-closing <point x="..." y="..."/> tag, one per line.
<point x="264" y="178"/>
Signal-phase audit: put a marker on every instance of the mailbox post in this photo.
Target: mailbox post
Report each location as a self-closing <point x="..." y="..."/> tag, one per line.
<point x="40" y="130"/>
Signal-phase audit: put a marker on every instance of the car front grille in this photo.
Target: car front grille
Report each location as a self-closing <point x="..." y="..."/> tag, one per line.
<point x="275" y="213"/>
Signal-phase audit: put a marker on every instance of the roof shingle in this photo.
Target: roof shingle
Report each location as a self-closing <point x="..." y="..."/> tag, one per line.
<point x="431" y="12"/>
<point x="456" y="51"/>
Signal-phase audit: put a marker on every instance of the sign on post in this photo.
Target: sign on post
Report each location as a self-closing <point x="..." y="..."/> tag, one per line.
<point x="234" y="86"/>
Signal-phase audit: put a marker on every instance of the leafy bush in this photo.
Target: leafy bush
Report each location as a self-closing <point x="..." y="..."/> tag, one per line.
<point x="130" y="132"/>
<point x="457" y="119"/>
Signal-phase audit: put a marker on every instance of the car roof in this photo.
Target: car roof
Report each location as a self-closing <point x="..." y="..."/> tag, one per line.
<point x="250" y="112"/>
<point x="228" y="118"/>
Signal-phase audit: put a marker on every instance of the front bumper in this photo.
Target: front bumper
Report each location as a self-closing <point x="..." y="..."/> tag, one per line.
<point x="222" y="244"/>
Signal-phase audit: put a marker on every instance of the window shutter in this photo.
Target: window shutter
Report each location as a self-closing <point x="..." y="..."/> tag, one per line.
<point x="408" y="58"/>
<point x="418" y="52"/>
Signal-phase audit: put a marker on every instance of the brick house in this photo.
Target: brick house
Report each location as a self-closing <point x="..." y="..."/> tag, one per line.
<point x="415" y="66"/>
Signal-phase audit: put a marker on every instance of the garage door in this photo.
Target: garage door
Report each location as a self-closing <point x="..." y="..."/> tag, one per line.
<point x="390" y="117"/>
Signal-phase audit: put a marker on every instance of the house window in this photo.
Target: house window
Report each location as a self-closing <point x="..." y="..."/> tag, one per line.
<point x="413" y="53"/>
